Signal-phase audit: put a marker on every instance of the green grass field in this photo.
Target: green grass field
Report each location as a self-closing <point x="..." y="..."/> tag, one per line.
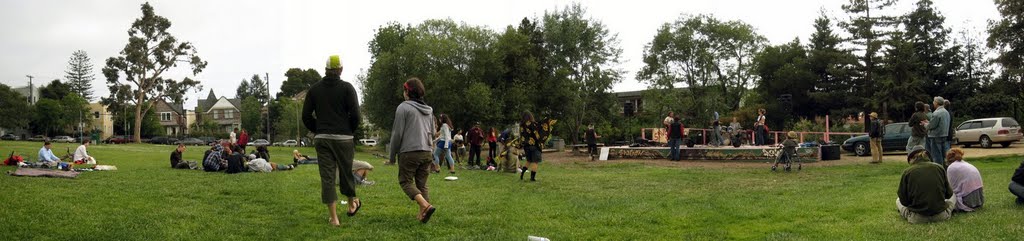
<point x="146" y="200"/>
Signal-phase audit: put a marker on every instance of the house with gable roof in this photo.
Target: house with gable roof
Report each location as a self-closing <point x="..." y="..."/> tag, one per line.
<point x="172" y="118"/>
<point x="221" y="110"/>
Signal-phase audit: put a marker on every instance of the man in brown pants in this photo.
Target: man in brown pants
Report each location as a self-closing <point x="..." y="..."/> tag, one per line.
<point x="331" y="110"/>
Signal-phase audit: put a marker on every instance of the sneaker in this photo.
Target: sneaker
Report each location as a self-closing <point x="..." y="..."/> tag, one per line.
<point x="369" y="183"/>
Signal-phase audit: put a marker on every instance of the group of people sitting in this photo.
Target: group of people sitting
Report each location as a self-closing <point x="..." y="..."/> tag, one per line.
<point x="47" y="159"/>
<point x="932" y="192"/>
<point x="230" y="158"/>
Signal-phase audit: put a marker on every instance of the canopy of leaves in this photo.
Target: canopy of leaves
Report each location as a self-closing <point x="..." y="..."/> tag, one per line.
<point x="151" y="51"/>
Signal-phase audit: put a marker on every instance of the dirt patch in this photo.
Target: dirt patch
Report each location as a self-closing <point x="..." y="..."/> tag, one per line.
<point x="846" y="159"/>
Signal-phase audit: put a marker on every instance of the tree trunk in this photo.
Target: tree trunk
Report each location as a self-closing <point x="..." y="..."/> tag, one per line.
<point x="138" y="120"/>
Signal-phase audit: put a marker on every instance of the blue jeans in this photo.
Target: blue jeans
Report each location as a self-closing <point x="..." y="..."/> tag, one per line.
<point x="718" y="136"/>
<point x="937" y="148"/>
<point x="447" y="154"/>
<point x="673" y="147"/>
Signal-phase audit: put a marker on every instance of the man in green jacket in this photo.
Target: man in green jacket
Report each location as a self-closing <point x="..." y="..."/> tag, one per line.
<point x="924" y="193"/>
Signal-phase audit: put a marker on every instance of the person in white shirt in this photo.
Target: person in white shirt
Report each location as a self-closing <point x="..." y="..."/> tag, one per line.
<point x="234" y="138"/>
<point x="82" y="155"/>
<point x="46" y="155"/>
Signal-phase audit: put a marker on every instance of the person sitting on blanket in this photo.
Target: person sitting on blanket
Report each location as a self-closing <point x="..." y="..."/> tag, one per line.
<point x="361" y="169"/>
<point x="299" y="158"/>
<point x="178" y="163"/>
<point x="256" y="164"/>
<point x="46" y="156"/>
<point x="82" y="155"/>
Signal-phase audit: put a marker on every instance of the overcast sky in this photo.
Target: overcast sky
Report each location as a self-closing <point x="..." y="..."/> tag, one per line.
<point x="242" y="38"/>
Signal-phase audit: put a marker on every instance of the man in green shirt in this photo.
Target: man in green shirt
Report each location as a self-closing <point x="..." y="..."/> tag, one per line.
<point x="924" y="193"/>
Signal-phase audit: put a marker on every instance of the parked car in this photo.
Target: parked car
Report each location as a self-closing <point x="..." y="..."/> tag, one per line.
<point x="163" y="140"/>
<point x="368" y="142"/>
<point x="260" y="142"/>
<point x="208" y="140"/>
<point x="66" y="139"/>
<point x="291" y="143"/>
<point x="895" y="139"/>
<point x="118" y="140"/>
<point x="985" y="132"/>
<point x="10" y="137"/>
<point x="39" y="138"/>
<point x="191" y="142"/>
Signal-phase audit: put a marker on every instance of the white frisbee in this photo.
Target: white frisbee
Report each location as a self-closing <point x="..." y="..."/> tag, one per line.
<point x="451" y="178"/>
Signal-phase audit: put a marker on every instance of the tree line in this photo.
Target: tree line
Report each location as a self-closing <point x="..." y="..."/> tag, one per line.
<point x="563" y="64"/>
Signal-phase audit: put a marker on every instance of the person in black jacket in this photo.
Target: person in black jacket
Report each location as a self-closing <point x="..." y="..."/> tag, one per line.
<point x="875" y="132"/>
<point x="1017" y="184"/>
<point x="675" y="133"/>
<point x="591" y="137"/>
<point x="331" y="111"/>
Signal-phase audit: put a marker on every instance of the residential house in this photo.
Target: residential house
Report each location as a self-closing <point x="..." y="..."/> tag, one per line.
<point x="102" y="120"/>
<point x="223" y="111"/>
<point x="172" y="117"/>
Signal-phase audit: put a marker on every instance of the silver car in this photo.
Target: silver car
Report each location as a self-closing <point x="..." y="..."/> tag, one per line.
<point x="985" y="132"/>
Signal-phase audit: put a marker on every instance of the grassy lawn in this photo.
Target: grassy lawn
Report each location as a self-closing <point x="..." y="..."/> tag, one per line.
<point x="146" y="200"/>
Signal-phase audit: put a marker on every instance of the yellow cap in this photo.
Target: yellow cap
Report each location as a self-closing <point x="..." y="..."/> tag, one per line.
<point x="334" y="62"/>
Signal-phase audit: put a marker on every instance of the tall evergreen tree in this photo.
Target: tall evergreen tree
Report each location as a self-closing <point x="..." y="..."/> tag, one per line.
<point x="869" y="29"/>
<point x="930" y="40"/>
<point x="1005" y="37"/>
<point x="254" y="87"/>
<point x="901" y="84"/>
<point x="835" y="70"/>
<point x="79" y="74"/>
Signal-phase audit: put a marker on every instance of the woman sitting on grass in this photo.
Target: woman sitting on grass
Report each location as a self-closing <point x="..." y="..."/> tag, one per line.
<point x="924" y="192"/>
<point x="1017" y="183"/>
<point x="82" y="156"/>
<point x="966" y="181"/>
<point x="299" y="158"/>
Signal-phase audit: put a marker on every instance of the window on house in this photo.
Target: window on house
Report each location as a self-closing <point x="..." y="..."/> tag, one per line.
<point x="216" y="114"/>
<point x="228" y="114"/>
<point x="165" y="116"/>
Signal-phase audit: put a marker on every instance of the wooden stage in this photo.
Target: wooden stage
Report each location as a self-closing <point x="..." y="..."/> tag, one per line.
<point x="708" y="153"/>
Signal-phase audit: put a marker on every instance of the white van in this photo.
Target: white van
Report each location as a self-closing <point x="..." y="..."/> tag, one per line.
<point x="368" y="142"/>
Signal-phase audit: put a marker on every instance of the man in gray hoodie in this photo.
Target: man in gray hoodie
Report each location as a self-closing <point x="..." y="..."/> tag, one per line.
<point x="331" y="110"/>
<point x="411" y="136"/>
<point x="938" y="131"/>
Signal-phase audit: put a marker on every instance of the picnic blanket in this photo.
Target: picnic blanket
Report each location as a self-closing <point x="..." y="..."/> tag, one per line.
<point x="36" y="172"/>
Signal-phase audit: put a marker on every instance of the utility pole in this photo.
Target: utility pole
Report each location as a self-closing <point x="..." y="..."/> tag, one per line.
<point x="31" y="93"/>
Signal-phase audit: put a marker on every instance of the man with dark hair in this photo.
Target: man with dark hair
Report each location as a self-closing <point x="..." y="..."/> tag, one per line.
<point x="917" y="121"/>
<point x="46" y="156"/>
<point x="81" y="155"/>
<point x="243" y="140"/>
<point x="476" y="139"/>
<point x="331" y="111"/>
